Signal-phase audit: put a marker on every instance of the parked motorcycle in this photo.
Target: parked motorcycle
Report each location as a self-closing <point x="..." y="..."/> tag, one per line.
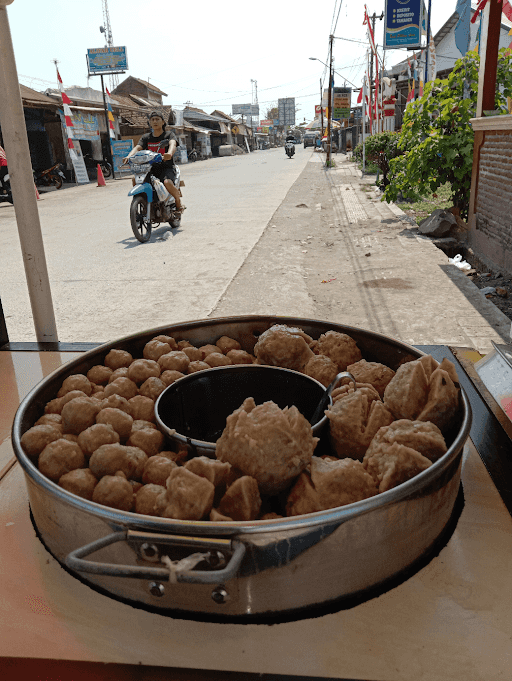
<point x="52" y="176"/>
<point x="192" y="155"/>
<point x="151" y="203"/>
<point x="92" y="163"/>
<point x="5" y="188"/>
<point x="289" y="148"/>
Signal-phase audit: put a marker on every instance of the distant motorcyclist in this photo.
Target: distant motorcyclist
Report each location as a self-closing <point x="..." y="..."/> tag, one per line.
<point x="289" y="144"/>
<point x="290" y="137"/>
<point x="158" y="140"/>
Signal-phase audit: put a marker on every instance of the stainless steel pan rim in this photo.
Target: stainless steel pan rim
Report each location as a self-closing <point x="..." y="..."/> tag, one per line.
<point x="141" y="522"/>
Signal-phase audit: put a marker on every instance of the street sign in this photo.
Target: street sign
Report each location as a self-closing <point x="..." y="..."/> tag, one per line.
<point x="104" y="60"/>
<point x="235" y="130"/>
<point x="342" y="97"/>
<point x="403" y="23"/>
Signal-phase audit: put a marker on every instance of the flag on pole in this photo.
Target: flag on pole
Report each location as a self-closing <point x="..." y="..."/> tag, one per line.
<point x="112" y="130"/>
<point x="462" y="33"/>
<point x="68" y="116"/>
<point x="360" y="96"/>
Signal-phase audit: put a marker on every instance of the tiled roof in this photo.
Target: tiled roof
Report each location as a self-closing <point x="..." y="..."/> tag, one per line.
<point x="150" y="86"/>
<point x="33" y="96"/>
<point x="138" y="117"/>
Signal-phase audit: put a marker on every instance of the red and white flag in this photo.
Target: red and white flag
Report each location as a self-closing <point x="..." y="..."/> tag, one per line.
<point x="68" y="116"/>
<point x="112" y="130"/>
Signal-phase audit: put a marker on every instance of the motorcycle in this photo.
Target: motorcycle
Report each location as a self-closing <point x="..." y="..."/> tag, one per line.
<point x="289" y="147"/>
<point x="51" y="176"/>
<point x="192" y="155"/>
<point x="151" y="201"/>
<point x="5" y="188"/>
<point x="92" y="163"/>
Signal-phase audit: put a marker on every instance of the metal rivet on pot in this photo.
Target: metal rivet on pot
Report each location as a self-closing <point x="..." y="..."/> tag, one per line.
<point x="220" y="595"/>
<point x="149" y="552"/>
<point x="156" y="589"/>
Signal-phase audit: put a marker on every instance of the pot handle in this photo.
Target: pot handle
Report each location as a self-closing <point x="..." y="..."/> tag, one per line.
<point x="176" y="572"/>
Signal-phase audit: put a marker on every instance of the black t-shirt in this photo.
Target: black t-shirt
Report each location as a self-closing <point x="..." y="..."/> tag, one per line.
<point x="159" y="145"/>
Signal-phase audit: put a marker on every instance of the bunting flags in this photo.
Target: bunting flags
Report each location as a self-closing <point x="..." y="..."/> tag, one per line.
<point x="112" y="130"/>
<point x="75" y="151"/>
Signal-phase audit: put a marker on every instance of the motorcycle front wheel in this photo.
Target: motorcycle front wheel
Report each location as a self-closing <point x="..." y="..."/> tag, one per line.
<point x="141" y="226"/>
<point x="56" y="180"/>
<point x="107" y="169"/>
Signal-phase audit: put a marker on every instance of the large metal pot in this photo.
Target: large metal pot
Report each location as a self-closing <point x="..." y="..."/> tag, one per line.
<point x="256" y="569"/>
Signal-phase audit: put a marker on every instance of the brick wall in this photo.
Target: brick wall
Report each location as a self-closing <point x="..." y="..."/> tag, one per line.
<point x="493" y="208"/>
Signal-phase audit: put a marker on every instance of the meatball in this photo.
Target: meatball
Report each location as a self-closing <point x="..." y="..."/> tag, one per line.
<point x="54" y="420"/>
<point x="75" y="382"/>
<point x="184" y="344"/>
<point x="142" y="369"/>
<point x="55" y="406"/>
<point x="322" y="368"/>
<point x="108" y="459"/>
<point x="78" y="414"/>
<point x="35" y="439"/>
<point x="120" y="421"/>
<point x="174" y="361"/>
<point x="116" y="402"/>
<point x="353" y="421"/>
<point x="118" y="358"/>
<point x="122" y="372"/>
<point x="187" y="497"/>
<point x="197" y="366"/>
<point x="93" y="437"/>
<point x="242" y="500"/>
<point x="207" y="349"/>
<point x="149" y="440"/>
<point x="157" y="470"/>
<point x="80" y="482"/>
<point x="123" y="387"/>
<point x="339" y="347"/>
<point x="194" y="354"/>
<point x="167" y="339"/>
<point x="329" y="485"/>
<point x="225" y="344"/>
<point x="283" y="346"/>
<point x="99" y="374"/>
<point x="145" y="498"/>
<point x="422" y="436"/>
<point x="60" y="457"/>
<point x="213" y="470"/>
<point x="155" y="349"/>
<point x="114" y="491"/>
<point x="217" y="359"/>
<point x="390" y="465"/>
<point x="140" y="424"/>
<point x="240" y="357"/>
<point x="378" y="375"/>
<point x="151" y="388"/>
<point x="169" y="377"/>
<point x="269" y="444"/>
<point x="142" y="408"/>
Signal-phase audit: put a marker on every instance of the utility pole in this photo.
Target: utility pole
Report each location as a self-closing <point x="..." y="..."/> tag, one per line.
<point x="321" y="110"/>
<point x="329" y="113"/>
<point x="373" y="18"/>
<point x="428" y="40"/>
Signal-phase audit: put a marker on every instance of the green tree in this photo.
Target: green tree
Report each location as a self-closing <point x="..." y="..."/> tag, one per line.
<point x="437" y="137"/>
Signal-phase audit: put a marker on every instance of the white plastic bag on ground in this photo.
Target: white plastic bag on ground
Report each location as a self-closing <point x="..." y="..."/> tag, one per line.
<point x="459" y="262"/>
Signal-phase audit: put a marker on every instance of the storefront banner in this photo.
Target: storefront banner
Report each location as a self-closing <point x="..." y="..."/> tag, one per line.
<point x="85" y="126"/>
<point x="120" y="149"/>
<point x="403" y="24"/>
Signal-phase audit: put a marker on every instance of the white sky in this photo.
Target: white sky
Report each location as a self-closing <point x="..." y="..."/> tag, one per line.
<point x="202" y="51"/>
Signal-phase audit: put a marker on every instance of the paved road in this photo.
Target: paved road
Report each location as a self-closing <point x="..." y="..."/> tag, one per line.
<point x="105" y="284"/>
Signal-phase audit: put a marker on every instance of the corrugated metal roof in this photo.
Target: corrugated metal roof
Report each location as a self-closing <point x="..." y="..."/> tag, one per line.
<point x="33" y="96"/>
<point x="198" y="115"/>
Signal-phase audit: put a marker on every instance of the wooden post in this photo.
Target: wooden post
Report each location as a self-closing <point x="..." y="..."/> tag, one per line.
<point x="489" y="47"/>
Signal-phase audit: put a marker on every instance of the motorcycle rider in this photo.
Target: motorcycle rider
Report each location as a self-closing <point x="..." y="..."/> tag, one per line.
<point x="290" y="139"/>
<point x="166" y="143"/>
<point x="3" y="166"/>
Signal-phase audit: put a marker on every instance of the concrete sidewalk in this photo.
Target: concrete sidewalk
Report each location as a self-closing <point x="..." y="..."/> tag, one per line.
<point x="334" y="251"/>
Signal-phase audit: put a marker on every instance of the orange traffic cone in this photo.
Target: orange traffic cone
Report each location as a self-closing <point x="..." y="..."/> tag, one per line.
<point x="101" y="179"/>
<point x="38" y="198"/>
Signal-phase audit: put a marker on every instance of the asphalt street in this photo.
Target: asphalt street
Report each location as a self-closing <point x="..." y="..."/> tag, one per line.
<point x="105" y="284"/>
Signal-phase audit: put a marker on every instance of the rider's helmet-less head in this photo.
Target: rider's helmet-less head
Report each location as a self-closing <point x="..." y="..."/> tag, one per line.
<point x="157" y="114"/>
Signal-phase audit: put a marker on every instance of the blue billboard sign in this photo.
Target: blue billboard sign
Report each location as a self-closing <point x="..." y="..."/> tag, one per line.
<point x="403" y="24"/>
<point x="120" y="149"/>
<point x="107" y="60"/>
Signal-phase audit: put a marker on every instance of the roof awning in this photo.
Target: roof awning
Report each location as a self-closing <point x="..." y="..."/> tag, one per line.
<point x="224" y="128"/>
